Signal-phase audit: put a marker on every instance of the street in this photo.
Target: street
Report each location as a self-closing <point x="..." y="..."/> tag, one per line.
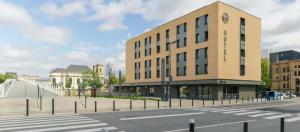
<point x="260" y="116"/>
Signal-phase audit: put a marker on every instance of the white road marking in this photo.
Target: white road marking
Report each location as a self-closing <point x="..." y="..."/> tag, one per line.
<point x="238" y="111"/>
<point x="47" y="125"/>
<point x="36" y="117"/>
<point x="223" y="124"/>
<point x="293" y="119"/>
<point x="41" y="118"/>
<point x="21" y="121"/>
<point x="247" y="113"/>
<point x="65" y="127"/>
<point x="12" y="124"/>
<point x="223" y="110"/>
<point x="96" y="129"/>
<point x="277" y="116"/>
<point x="160" y="116"/>
<point x="262" y="114"/>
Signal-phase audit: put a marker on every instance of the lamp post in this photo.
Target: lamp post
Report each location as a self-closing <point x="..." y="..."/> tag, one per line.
<point x="170" y="65"/>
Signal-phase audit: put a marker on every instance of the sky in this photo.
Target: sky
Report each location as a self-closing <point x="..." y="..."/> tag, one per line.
<point x="37" y="36"/>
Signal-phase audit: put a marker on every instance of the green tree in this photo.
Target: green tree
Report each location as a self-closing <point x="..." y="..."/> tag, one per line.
<point x="265" y="74"/>
<point x="3" y="77"/>
<point x="91" y="79"/>
<point x="68" y="82"/>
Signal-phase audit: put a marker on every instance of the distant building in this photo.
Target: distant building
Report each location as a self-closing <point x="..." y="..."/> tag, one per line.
<point x="73" y="73"/>
<point x="286" y="76"/>
<point x="99" y="70"/>
<point x="285" y="71"/>
<point x="284" y="56"/>
<point x="29" y="77"/>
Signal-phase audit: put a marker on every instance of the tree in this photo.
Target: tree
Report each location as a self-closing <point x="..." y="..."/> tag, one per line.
<point x="3" y="77"/>
<point x="265" y="74"/>
<point x="91" y="79"/>
<point x="68" y="82"/>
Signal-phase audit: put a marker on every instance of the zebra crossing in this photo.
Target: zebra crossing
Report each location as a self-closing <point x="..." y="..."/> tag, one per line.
<point x="68" y="123"/>
<point x="269" y="115"/>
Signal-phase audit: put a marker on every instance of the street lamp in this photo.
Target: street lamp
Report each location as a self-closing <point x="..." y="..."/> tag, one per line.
<point x="170" y="65"/>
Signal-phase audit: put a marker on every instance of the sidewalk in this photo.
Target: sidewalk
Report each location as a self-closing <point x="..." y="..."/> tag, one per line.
<point x="66" y="105"/>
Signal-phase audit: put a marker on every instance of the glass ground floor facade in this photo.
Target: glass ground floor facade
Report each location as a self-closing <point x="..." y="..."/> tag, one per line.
<point x="196" y="90"/>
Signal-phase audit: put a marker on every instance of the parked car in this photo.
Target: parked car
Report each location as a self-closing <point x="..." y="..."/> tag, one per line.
<point x="287" y="95"/>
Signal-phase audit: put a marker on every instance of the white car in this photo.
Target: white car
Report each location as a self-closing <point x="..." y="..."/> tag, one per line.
<point x="287" y="96"/>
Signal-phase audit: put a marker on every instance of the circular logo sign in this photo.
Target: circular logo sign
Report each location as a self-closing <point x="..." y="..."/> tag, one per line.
<point x="225" y="18"/>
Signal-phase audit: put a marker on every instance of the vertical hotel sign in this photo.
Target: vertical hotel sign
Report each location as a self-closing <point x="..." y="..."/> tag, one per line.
<point x="225" y="18"/>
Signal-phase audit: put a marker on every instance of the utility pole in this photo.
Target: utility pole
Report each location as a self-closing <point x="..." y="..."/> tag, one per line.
<point x="120" y="87"/>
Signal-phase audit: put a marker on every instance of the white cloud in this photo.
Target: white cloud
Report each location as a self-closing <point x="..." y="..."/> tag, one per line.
<point x="69" y="9"/>
<point x="78" y="56"/>
<point x="17" y="18"/>
<point x="9" y="52"/>
<point x="86" y="47"/>
<point x="118" y="61"/>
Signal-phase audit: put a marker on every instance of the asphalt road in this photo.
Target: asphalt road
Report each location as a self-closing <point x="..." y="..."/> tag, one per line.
<point x="218" y="119"/>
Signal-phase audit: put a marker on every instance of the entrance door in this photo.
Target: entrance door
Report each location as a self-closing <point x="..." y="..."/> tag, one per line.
<point x="230" y="92"/>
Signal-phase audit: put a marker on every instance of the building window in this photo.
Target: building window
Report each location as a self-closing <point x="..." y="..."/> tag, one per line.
<point x="197" y="53"/>
<point x="184" y="41"/>
<point x="158" y="73"/>
<point x="283" y="69"/>
<point x="157" y="61"/>
<point x="197" y="37"/>
<point x="205" y="68"/>
<point x="178" y="29"/>
<point x="205" y="19"/>
<point x="167" y="60"/>
<point x="283" y="85"/>
<point x="197" y="69"/>
<point x="242" y="70"/>
<point x="206" y="36"/>
<point x="167" y="40"/>
<point x="158" y="43"/>
<point x="201" y="34"/>
<point x="184" y="56"/>
<point x="205" y="52"/>
<point x="184" y="27"/>
<point x="242" y="53"/>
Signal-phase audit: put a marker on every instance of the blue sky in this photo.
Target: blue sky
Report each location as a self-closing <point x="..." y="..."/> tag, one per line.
<point x="37" y="36"/>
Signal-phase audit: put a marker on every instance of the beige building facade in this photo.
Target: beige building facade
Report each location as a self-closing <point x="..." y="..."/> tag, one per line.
<point x="212" y="52"/>
<point x="286" y="76"/>
<point x="99" y="70"/>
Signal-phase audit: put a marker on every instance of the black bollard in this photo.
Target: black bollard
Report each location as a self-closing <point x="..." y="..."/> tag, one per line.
<point x="170" y="102"/>
<point x="85" y="101"/>
<point x="281" y="124"/>
<point x="52" y="106"/>
<point x="203" y="102"/>
<point x="75" y="110"/>
<point x="245" y="126"/>
<point x="180" y="102"/>
<point x="192" y="101"/>
<point x="27" y="107"/>
<point x="41" y="103"/>
<point x="130" y="105"/>
<point x="95" y="106"/>
<point x="114" y="105"/>
<point x="236" y="100"/>
<point x="144" y="104"/>
<point x="192" y="125"/>
<point x="158" y="104"/>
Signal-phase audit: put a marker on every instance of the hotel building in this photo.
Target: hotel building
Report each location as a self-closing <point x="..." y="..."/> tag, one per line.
<point x="212" y="52"/>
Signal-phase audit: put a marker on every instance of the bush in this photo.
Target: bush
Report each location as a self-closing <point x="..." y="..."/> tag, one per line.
<point x="130" y="97"/>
